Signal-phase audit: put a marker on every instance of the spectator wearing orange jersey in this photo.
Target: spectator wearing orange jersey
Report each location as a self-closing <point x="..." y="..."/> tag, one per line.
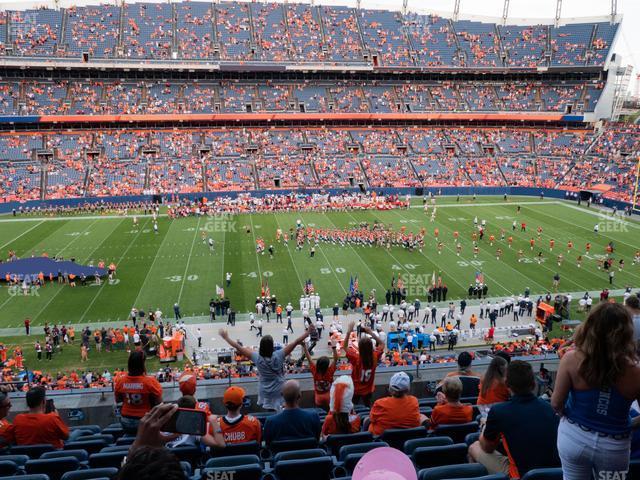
<point x="452" y="411"/>
<point x="237" y="427"/>
<point x="322" y="371"/>
<point x="399" y="410"/>
<point x="5" y="406"/>
<point x="136" y="392"/>
<point x="341" y="418"/>
<point x="364" y="361"/>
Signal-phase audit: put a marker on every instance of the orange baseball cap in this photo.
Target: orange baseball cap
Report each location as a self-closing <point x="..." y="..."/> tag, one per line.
<point x="233" y="395"/>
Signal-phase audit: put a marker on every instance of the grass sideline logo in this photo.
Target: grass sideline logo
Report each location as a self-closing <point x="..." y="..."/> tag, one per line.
<point x="221" y="223"/>
<point x="613" y="226"/>
<point x="20" y="291"/>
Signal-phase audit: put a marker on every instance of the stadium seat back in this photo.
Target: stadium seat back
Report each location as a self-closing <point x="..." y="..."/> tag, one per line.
<point x="232" y="461"/>
<point x="107" y="438"/>
<point x="19" y="460"/>
<point x="350" y="461"/>
<point x="116" y="432"/>
<point x="299" y="454"/>
<point x="191" y="454"/>
<point x="334" y="443"/>
<point x="35" y="476"/>
<point x="495" y="476"/>
<point x="8" y="468"/>
<point x="240" y="472"/>
<point x="244" y="448"/>
<point x="396" y="437"/>
<point x="54" y="468"/>
<point x="472" y="438"/>
<point x="186" y="468"/>
<point x="106" y="460"/>
<point x="457" y="432"/>
<point x="125" y="440"/>
<point x="427" y="457"/>
<point x="81" y="455"/>
<point x="543" y="474"/>
<point x="88" y="428"/>
<point x="91" y="474"/>
<point x="31" y="451"/>
<point x="91" y="446"/>
<point x="288" y="445"/>
<point x="319" y="468"/>
<point x="115" y="448"/>
<point x="411" y="445"/>
<point x="427" y="402"/>
<point x="358" y="448"/>
<point x="464" y="470"/>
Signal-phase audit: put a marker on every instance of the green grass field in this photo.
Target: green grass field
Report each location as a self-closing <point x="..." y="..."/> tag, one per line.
<point x="156" y="270"/>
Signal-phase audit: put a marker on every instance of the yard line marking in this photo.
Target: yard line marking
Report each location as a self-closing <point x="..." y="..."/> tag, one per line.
<point x="63" y="287"/>
<point x="253" y="234"/>
<point x="487" y="204"/>
<point x="105" y="283"/>
<point x="186" y="268"/>
<point x="152" y="264"/>
<point x="78" y="217"/>
<point x="23" y="233"/>
<point x="328" y="262"/>
<point x="291" y="257"/>
<point x="361" y="259"/>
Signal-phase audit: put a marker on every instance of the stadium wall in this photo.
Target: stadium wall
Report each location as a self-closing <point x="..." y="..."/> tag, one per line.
<point x="97" y="406"/>
<point x="8" y="207"/>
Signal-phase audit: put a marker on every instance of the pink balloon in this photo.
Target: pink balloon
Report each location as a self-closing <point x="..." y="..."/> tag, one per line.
<point x="384" y="463"/>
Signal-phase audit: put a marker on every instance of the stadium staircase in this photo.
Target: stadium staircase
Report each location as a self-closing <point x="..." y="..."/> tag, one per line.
<point x="589" y="50"/>
<point x="60" y="47"/>
<point x="460" y="55"/>
<point x="503" y="55"/>
<point x="532" y="143"/>
<point x="174" y="30"/>
<point x="317" y="14"/>
<point x="120" y="43"/>
<point x="497" y="163"/>
<point x="285" y="22"/>
<point x="365" y="50"/>
<point x="214" y="37"/>
<point x="598" y="134"/>
<point x="253" y="44"/>
<point x="549" y="50"/>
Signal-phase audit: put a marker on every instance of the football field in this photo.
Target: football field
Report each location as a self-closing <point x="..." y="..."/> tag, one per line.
<point x="176" y="265"/>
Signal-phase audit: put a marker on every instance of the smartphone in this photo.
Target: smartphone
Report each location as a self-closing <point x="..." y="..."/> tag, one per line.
<point x="187" y="421"/>
<point x="49" y="406"/>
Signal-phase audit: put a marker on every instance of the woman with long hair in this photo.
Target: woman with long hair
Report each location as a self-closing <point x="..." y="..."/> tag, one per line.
<point x="596" y="383"/>
<point x="322" y="371"/>
<point x="493" y="386"/>
<point x="341" y="417"/>
<point x="270" y="364"/>
<point x="364" y="361"/>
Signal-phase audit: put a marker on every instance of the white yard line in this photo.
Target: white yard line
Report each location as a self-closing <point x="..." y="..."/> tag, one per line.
<point x="118" y="263"/>
<point x="293" y="262"/>
<point x="22" y="234"/>
<point x="75" y="217"/>
<point x="186" y="268"/>
<point x="253" y="234"/>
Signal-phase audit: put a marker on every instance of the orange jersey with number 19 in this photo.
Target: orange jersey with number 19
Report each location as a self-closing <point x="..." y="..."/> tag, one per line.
<point x="136" y="393"/>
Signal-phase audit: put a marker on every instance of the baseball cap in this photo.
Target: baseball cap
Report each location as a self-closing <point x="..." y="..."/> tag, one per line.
<point x="233" y="395"/>
<point x="384" y="463"/>
<point x="399" y="382"/>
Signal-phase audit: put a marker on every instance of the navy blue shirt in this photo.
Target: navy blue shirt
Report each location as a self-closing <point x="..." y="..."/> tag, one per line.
<point x="292" y="424"/>
<point x="528" y="427"/>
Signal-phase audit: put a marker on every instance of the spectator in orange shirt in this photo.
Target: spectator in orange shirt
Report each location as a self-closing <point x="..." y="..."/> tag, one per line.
<point x="493" y="386"/>
<point x="399" y="410"/>
<point x="137" y="392"/>
<point x="37" y="426"/>
<point x="364" y="360"/>
<point x="322" y="371"/>
<point x="452" y="411"/>
<point x="237" y="427"/>
<point x="5" y="406"/>
<point x="341" y="418"/>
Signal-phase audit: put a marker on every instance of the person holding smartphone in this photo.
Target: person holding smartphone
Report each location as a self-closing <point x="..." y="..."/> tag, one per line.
<point x="41" y="425"/>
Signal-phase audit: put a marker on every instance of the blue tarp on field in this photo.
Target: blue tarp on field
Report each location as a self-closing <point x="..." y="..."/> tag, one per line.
<point x="31" y="267"/>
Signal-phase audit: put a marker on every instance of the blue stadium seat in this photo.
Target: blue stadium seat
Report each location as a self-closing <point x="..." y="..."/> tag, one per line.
<point x="457" y="432"/>
<point x="35" y="476"/>
<point x="396" y="437"/>
<point x="244" y="448"/>
<point x="32" y="451"/>
<point x="19" y="460"/>
<point x="359" y="448"/>
<point x="106" y="460"/>
<point x="298" y="454"/>
<point x="232" y="461"/>
<point x="464" y="470"/>
<point x="8" y="468"/>
<point x="91" y="474"/>
<point x="89" y="428"/>
<point x="288" y="445"/>
<point x="53" y="467"/>
<point x="426" y="457"/>
<point x="350" y="461"/>
<point x="91" y="446"/>
<point x="334" y="443"/>
<point x="543" y="474"/>
<point x="116" y="432"/>
<point x="319" y="468"/>
<point x="186" y="468"/>
<point x="115" y="448"/>
<point x="495" y="476"/>
<point x="472" y="438"/>
<point x="188" y="454"/>
<point x="81" y="455"/>
<point x="427" y="402"/>
<point x="411" y="445"/>
<point x="128" y="440"/>
<point x="106" y="437"/>
<point x="240" y="472"/>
